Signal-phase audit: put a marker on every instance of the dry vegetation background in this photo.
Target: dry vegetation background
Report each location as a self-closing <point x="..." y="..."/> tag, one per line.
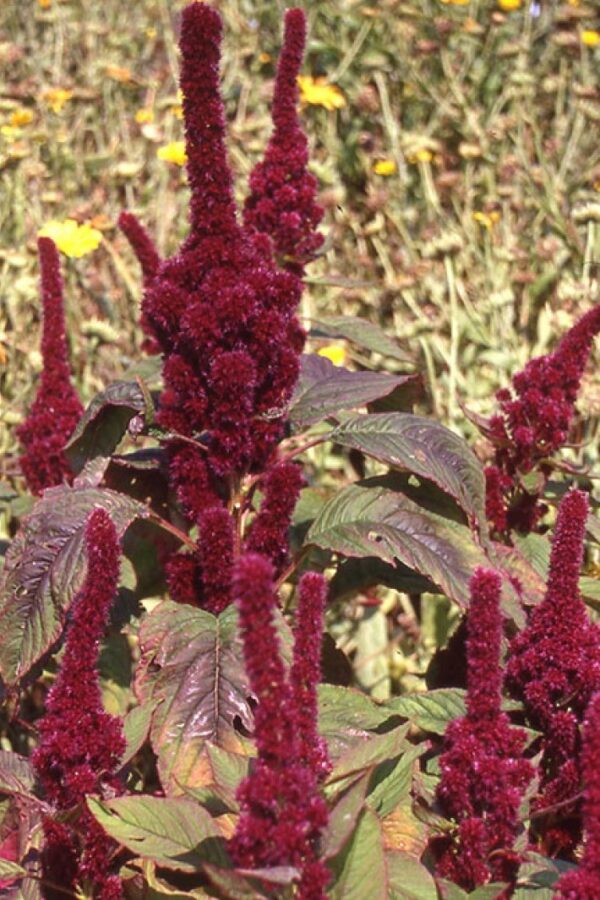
<point x="458" y="157"/>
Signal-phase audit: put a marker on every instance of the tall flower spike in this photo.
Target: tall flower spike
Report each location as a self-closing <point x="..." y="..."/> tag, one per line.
<point x="483" y="771"/>
<point x="282" y="812"/>
<point x="281" y="202"/>
<point x="212" y="207"/>
<point x="141" y="244"/>
<point x="81" y="744"/>
<point x="305" y="673"/>
<point x="554" y="668"/>
<point x="56" y="408"/>
<point x="268" y="533"/>
<point x="584" y="883"/>
<point x="534" y="422"/>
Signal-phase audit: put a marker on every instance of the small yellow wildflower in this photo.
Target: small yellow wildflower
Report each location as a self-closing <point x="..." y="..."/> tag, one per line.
<point x="317" y="92"/>
<point x="455" y="2"/>
<point x="264" y="58"/>
<point x="144" y="116"/>
<point x="510" y="5"/>
<point x="72" y="239"/>
<point x="11" y="132"/>
<point x="173" y="153"/>
<point x="21" y="116"/>
<point x="421" y="155"/>
<point x="488" y="220"/>
<point x="44" y="4"/>
<point x="334" y="353"/>
<point x="56" y="98"/>
<point x="590" y="38"/>
<point x="385" y="167"/>
<point x="150" y="33"/>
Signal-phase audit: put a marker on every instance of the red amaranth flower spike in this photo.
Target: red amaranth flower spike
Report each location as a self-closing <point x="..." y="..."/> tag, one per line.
<point x="554" y="668"/>
<point x="533" y="423"/>
<point x="268" y="533"/>
<point x="282" y="812"/>
<point x="584" y="883"/>
<point x="56" y="408"/>
<point x="212" y="207"/>
<point x="141" y="244"/>
<point x="80" y="744"/>
<point x="281" y="202"/>
<point x="305" y="673"/>
<point x="484" y="774"/>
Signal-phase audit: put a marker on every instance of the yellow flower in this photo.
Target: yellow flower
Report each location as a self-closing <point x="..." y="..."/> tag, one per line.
<point x="334" y="353"/>
<point x="510" y="5"/>
<point x="317" y="92"/>
<point x="44" y="4"/>
<point x="590" y="38"/>
<point x="72" y="239"/>
<point x="21" y="116"/>
<point x="385" y="167"/>
<point x="173" y="153"/>
<point x="11" y="132"/>
<point x="56" y="98"/>
<point x="488" y="220"/>
<point x="455" y="2"/>
<point x="421" y="155"/>
<point x="144" y="116"/>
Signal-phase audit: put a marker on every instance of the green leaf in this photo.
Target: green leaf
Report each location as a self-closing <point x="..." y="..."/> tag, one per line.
<point x="368" y="754"/>
<point x="392" y="780"/>
<point x="104" y="422"/>
<point x="191" y="665"/>
<point x="424" y="447"/>
<point x="136" y="726"/>
<point x="9" y="869"/>
<point x="432" y="710"/>
<point x="360" y="332"/>
<point x="16" y="774"/>
<point x="360" y="868"/>
<point x="324" y="389"/>
<point x="343" y="817"/>
<point x="372" y="521"/>
<point x="536" y="550"/>
<point x="409" y="879"/>
<point x="45" y="567"/>
<point x="347" y="716"/>
<point x="233" y="885"/>
<point x="173" y="832"/>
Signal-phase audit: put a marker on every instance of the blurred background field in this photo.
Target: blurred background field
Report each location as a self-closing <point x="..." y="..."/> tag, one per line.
<point x="456" y="144"/>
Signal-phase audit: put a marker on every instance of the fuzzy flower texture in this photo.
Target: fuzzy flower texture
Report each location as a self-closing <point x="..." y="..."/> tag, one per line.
<point x="81" y="744"/>
<point x="483" y="772"/>
<point x="222" y="313"/>
<point x="554" y="668"/>
<point x="282" y="812"/>
<point x="56" y="408"/>
<point x="533" y="423"/>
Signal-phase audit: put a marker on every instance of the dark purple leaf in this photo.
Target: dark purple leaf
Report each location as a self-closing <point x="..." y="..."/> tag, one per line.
<point x="105" y="421"/>
<point x="360" y="332"/>
<point x="424" y="447"/>
<point x="324" y="390"/>
<point x="45" y="567"/>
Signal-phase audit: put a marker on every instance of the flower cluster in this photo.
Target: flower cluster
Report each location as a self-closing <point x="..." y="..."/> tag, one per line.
<point x="483" y="772"/>
<point x="56" y="408"/>
<point x="554" y="668"/>
<point x="533" y="423"/>
<point x="282" y="192"/>
<point x="584" y="883"/>
<point x="282" y="811"/>
<point x="81" y="744"/>
<point x="222" y="312"/>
